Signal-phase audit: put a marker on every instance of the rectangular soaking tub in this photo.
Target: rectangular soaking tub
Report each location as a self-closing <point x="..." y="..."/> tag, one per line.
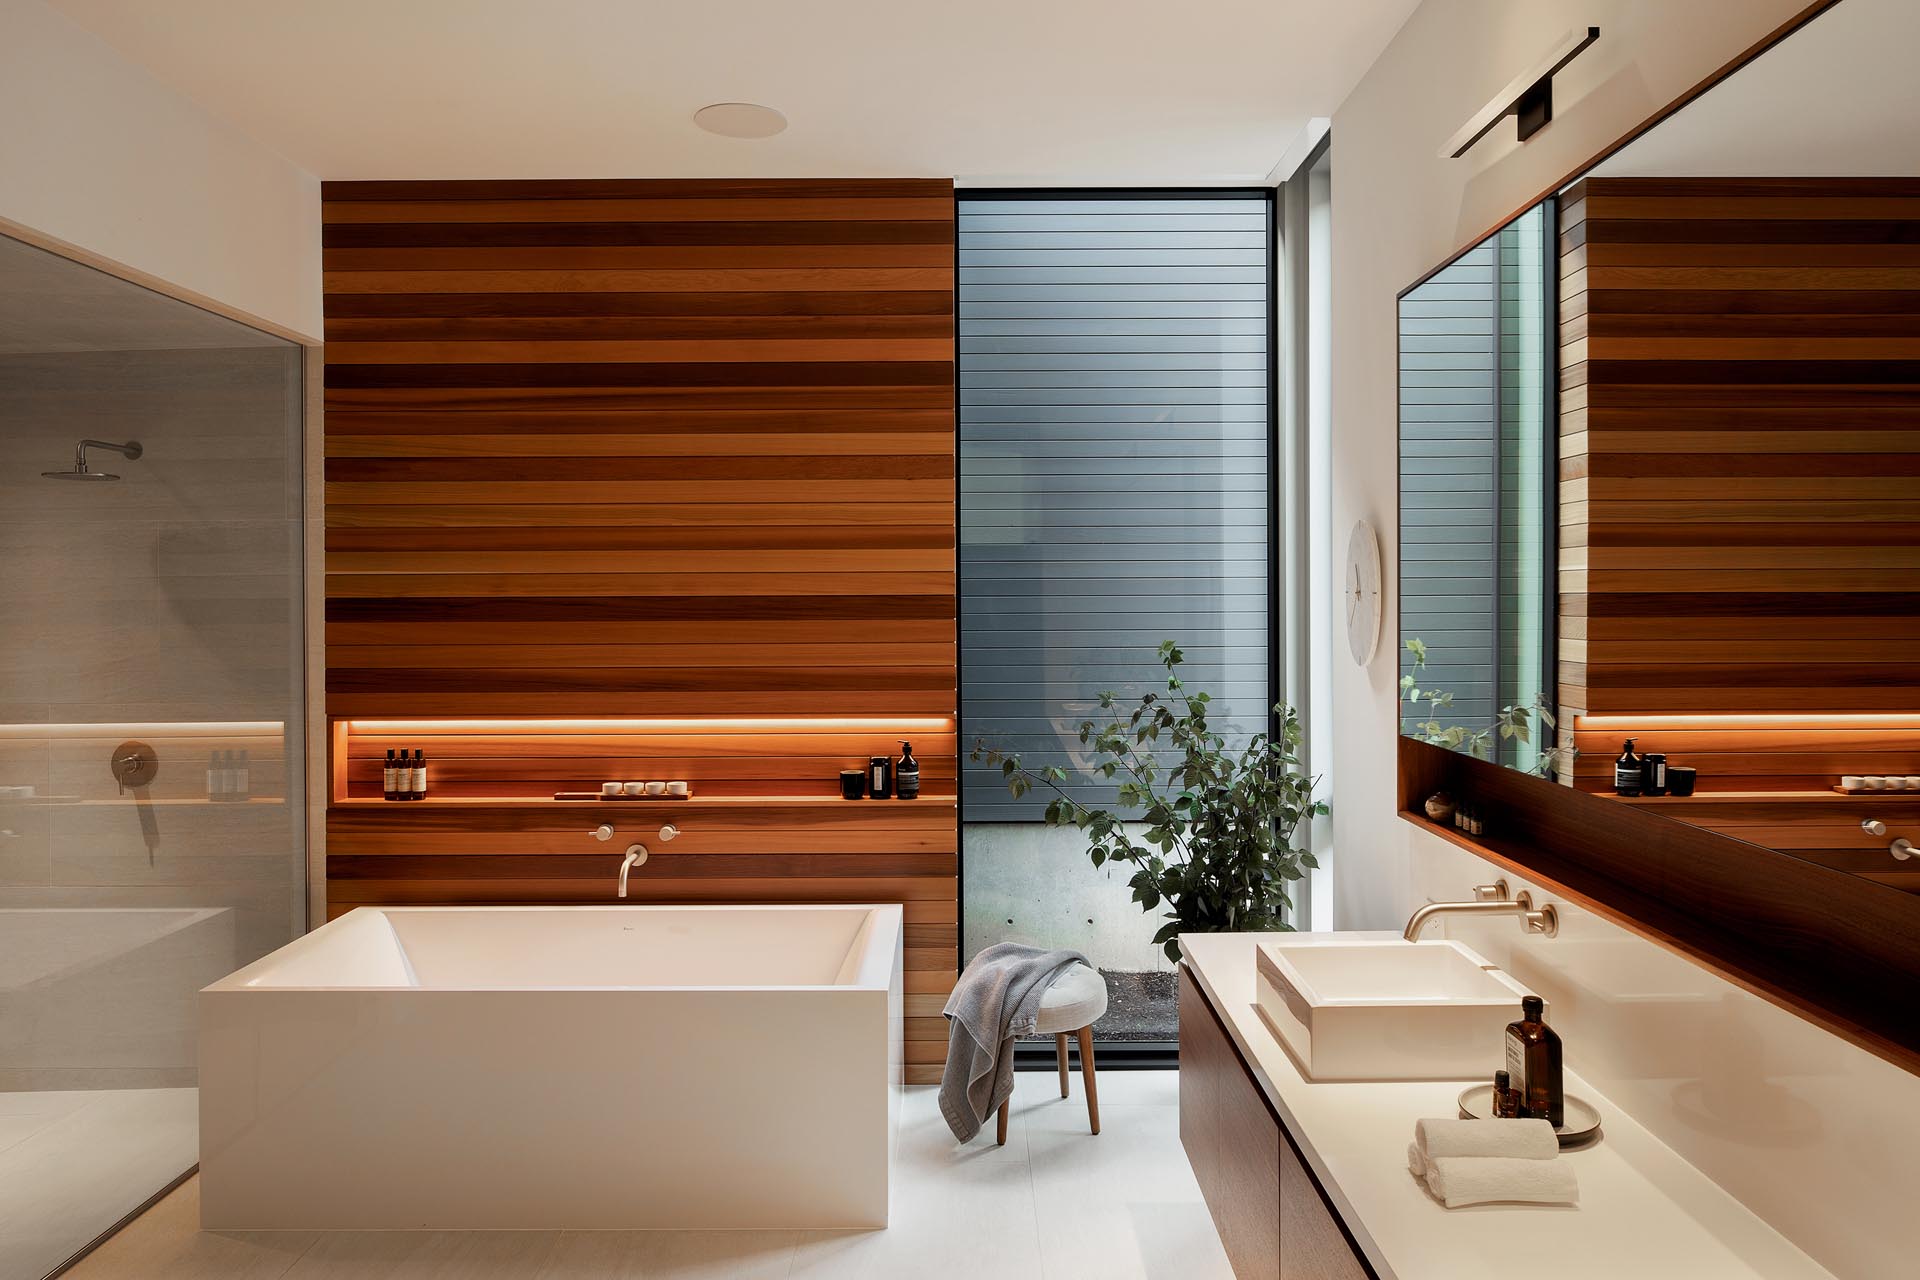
<point x="557" y="1067"/>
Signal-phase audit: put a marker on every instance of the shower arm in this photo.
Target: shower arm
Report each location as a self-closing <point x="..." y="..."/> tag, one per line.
<point x="130" y="451"/>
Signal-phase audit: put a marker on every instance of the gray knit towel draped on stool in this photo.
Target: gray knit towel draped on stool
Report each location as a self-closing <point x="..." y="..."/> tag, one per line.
<point x="996" y="999"/>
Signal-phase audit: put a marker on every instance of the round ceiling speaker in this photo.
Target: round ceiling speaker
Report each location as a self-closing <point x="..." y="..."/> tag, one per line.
<point x="740" y="120"/>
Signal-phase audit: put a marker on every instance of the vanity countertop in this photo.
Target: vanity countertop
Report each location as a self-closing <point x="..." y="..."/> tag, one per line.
<point x="1644" y="1212"/>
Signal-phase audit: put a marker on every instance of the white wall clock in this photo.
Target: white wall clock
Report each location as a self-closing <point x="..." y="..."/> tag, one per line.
<point x="1363" y="592"/>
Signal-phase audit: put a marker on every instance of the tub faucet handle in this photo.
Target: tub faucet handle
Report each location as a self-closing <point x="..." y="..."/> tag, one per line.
<point x="602" y="832"/>
<point x="669" y="831"/>
<point x="1873" y="826"/>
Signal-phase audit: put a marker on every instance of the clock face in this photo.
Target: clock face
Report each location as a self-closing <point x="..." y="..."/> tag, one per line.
<point x="1363" y="593"/>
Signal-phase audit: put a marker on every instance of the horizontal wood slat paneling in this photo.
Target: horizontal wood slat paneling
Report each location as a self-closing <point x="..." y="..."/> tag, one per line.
<point x="1746" y="358"/>
<point x="609" y="448"/>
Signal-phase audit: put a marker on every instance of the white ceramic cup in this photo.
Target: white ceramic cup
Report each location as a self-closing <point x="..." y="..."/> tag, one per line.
<point x="1913" y="782"/>
<point x="1852" y="781"/>
<point x="1874" y="782"/>
<point x="656" y="788"/>
<point x="609" y="788"/>
<point x="682" y="789"/>
<point x="635" y="788"/>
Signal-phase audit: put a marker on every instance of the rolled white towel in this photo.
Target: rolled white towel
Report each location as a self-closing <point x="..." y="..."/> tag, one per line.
<point x="1514" y="1139"/>
<point x="1462" y="1180"/>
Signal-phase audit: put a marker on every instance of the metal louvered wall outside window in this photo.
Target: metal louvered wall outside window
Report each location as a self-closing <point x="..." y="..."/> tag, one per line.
<point x="1116" y="400"/>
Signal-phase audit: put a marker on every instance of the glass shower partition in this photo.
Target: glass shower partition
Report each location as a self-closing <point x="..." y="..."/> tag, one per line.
<point x="151" y="691"/>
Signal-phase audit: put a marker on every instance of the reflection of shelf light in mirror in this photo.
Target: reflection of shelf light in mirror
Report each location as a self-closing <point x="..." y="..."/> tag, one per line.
<point x="1750" y="720"/>
<point x="642" y="724"/>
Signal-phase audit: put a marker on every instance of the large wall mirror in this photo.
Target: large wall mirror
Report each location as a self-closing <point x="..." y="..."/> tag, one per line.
<point x="1660" y="468"/>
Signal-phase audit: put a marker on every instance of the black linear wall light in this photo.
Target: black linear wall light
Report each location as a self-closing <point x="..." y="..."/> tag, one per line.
<point x="1528" y="98"/>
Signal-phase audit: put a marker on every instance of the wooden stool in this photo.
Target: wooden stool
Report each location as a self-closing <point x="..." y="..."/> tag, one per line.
<point x="1071" y="1006"/>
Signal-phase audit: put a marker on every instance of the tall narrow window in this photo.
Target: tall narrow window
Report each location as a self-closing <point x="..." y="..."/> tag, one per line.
<point x="1115" y="443"/>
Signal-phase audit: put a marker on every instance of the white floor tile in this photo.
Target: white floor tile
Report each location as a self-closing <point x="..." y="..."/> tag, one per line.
<point x="425" y="1255"/>
<point x="683" y="1255"/>
<point x="168" y="1243"/>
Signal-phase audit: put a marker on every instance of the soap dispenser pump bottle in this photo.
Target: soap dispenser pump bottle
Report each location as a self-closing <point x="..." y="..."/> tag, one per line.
<point x="906" y="774"/>
<point x="1628" y="771"/>
<point x="1533" y="1064"/>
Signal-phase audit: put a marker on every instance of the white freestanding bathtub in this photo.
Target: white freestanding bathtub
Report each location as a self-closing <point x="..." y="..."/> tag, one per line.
<point x="557" y="1067"/>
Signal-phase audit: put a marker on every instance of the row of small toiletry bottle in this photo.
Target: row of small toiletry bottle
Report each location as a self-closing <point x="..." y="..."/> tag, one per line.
<point x="229" y="776"/>
<point x="404" y="779"/>
<point x="1637" y="774"/>
<point x="884" y="779"/>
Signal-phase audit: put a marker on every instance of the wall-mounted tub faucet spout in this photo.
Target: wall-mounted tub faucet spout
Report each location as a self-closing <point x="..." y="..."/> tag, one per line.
<point x="636" y="856"/>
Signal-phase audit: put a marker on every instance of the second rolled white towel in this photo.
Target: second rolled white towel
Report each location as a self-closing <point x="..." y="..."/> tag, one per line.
<point x="1513" y="1139"/>
<point x="1462" y="1180"/>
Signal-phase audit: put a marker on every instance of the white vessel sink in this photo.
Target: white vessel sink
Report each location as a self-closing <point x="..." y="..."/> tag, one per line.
<point x="1352" y="1009"/>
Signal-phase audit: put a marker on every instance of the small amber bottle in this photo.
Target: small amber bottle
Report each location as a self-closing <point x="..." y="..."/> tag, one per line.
<point x="1506" y="1103"/>
<point x="1533" y="1064"/>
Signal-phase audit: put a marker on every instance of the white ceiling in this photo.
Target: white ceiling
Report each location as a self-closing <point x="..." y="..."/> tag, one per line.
<point x="1838" y="98"/>
<point x="1016" y="91"/>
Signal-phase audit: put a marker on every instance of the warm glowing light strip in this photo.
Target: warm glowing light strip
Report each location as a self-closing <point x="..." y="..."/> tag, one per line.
<point x="919" y="723"/>
<point x="129" y="728"/>
<point x="1747" y="720"/>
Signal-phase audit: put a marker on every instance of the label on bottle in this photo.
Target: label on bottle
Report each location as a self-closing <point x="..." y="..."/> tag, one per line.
<point x="1626" y="778"/>
<point x="1657" y="774"/>
<point x="1517" y="1067"/>
<point x="386" y="780"/>
<point x="419" y="779"/>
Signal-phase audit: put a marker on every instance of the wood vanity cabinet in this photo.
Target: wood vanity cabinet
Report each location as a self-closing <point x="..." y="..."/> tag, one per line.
<point x="1270" y="1212"/>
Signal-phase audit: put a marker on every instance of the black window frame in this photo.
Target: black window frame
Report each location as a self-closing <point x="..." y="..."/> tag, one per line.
<point x="1142" y="1055"/>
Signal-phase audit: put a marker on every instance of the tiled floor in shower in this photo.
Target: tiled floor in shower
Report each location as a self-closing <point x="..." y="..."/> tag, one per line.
<point x="74" y="1162"/>
<point x="1056" y="1203"/>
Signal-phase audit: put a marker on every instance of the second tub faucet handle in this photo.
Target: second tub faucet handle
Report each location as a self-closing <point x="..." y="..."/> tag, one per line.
<point x="669" y="831"/>
<point x="602" y="832"/>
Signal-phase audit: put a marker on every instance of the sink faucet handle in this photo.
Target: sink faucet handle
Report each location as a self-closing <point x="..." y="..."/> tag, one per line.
<point x="1495" y="892"/>
<point x="602" y="832"/>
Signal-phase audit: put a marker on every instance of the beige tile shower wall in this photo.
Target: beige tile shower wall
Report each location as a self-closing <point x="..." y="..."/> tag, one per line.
<point x="165" y="606"/>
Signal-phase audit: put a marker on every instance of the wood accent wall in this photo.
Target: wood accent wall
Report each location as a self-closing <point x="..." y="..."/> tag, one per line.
<point x="660" y="449"/>
<point x="1740" y="372"/>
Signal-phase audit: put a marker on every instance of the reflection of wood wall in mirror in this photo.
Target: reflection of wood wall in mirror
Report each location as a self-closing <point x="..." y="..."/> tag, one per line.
<point x="1740" y="371"/>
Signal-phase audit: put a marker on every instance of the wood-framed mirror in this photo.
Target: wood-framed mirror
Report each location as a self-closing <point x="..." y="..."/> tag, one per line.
<point x="1659" y="463"/>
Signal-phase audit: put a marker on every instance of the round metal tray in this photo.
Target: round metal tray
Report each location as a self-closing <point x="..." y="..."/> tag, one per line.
<point x="1583" y="1118"/>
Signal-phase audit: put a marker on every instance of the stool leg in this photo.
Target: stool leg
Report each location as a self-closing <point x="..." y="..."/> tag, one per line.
<point x="1086" y="1072"/>
<point x="1060" y="1049"/>
<point x="1000" y="1134"/>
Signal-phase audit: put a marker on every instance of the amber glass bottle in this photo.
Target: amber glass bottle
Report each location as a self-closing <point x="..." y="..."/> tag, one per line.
<point x="1533" y="1064"/>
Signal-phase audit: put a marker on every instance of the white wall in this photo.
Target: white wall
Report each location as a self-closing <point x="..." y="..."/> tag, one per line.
<point x="96" y="153"/>
<point x="1814" y="1135"/>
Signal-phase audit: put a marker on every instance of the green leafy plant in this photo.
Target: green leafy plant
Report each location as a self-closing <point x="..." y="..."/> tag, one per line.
<point x="1513" y="722"/>
<point x="1211" y="836"/>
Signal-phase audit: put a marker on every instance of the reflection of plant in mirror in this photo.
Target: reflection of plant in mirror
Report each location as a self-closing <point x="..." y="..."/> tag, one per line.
<point x="1217" y="846"/>
<point x="1512" y="722"/>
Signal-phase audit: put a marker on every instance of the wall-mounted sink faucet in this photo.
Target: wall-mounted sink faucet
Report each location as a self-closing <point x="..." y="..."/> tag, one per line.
<point x="1490" y="900"/>
<point x="636" y="856"/>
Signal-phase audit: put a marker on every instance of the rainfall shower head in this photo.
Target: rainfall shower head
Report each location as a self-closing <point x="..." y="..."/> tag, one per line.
<point x="130" y="450"/>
